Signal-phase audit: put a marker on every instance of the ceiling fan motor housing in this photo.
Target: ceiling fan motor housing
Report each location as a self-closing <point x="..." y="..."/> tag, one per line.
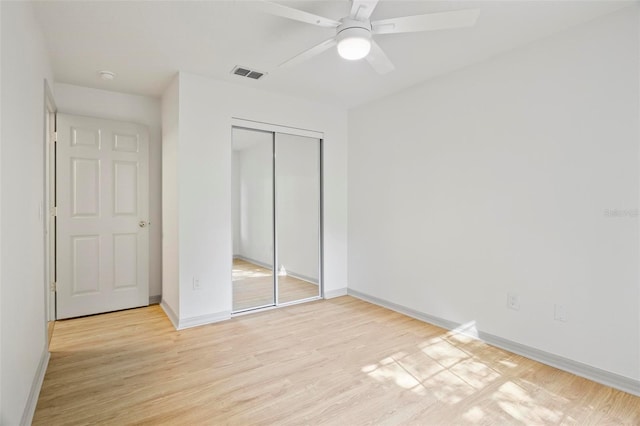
<point x="353" y="28"/>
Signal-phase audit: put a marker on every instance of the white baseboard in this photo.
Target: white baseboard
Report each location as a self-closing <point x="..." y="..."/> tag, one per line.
<point x="170" y="314"/>
<point x="155" y="300"/>
<point x="335" y="293"/>
<point x="34" y="393"/>
<point x="604" y="377"/>
<point x="203" y="320"/>
<point x="182" y="323"/>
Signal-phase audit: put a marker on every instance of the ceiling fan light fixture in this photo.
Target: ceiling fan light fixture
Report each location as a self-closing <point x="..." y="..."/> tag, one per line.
<point x="354" y="43"/>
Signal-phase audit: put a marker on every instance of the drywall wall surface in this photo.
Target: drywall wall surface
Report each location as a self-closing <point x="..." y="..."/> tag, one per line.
<point x="144" y="110"/>
<point x="206" y="110"/>
<point x="25" y="66"/>
<point x="516" y="175"/>
<point x="170" y="197"/>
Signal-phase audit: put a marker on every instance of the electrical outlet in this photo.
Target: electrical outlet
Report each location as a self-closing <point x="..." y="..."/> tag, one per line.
<point x="560" y="313"/>
<point x="196" y="283"/>
<point x="513" y="302"/>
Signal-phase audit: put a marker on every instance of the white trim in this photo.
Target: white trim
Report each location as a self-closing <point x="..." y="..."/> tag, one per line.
<point x="170" y="314"/>
<point x="155" y="300"/>
<point x="335" y="293"/>
<point x="258" y="125"/>
<point x="48" y="223"/>
<point x="203" y="320"/>
<point x="595" y="374"/>
<point x="449" y="325"/>
<point x="182" y="323"/>
<point x="599" y="375"/>
<point x="34" y="393"/>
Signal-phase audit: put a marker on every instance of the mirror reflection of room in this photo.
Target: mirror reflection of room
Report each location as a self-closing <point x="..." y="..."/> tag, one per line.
<point x="252" y="218"/>
<point x="276" y="219"/>
<point x="297" y="216"/>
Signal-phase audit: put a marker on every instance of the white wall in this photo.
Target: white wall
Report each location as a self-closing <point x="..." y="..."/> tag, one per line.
<point x="25" y="66"/>
<point x="170" y="200"/>
<point x="144" y="110"/>
<point x="206" y="108"/>
<point x="497" y="179"/>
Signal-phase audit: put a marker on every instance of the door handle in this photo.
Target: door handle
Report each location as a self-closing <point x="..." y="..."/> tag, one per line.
<point x="143" y="224"/>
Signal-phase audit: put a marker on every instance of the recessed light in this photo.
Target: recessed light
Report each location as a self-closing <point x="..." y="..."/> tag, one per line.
<point x="107" y="75"/>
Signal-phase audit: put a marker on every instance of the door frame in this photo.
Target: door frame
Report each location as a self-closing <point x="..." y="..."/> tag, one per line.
<point x="240" y="123"/>
<point x="48" y="207"/>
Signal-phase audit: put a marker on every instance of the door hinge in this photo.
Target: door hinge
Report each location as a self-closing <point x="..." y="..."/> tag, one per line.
<point x="55" y="136"/>
<point x="54" y="211"/>
<point x="54" y="286"/>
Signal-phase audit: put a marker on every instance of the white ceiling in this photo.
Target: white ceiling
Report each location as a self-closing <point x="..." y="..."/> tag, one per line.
<point x="146" y="42"/>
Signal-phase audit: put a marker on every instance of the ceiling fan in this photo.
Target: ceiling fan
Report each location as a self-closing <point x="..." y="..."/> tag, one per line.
<point x="354" y="33"/>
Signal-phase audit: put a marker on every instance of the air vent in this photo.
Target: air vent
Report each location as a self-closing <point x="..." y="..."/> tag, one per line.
<point x="246" y="72"/>
<point x="255" y="75"/>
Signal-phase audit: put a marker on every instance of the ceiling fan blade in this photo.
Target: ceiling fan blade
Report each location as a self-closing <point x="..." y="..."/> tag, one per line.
<point x="361" y="10"/>
<point x="310" y="53"/>
<point x="428" y="22"/>
<point x="378" y="60"/>
<point x="295" y="14"/>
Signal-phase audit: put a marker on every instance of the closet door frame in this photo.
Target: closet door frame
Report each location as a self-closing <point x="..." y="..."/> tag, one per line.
<point x="239" y="123"/>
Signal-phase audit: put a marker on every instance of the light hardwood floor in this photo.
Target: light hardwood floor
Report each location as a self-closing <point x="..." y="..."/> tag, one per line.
<point x="341" y="361"/>
<point x="253" y="286"/>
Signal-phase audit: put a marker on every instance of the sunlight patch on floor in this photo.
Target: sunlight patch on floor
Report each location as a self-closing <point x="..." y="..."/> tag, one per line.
<point x="474" y="372"/>
<point x="474" y="414"/>
<point x="445" y="353"/>
<point x="447" y="368"/>
<point x="388" y="369"/>
<point x="515" y="401"/>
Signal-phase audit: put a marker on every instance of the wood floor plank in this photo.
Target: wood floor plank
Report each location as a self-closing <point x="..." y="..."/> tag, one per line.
<point x="336" y="362"/>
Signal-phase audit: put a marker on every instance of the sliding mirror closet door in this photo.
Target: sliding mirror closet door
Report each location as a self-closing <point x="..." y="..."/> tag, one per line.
<point x="252" y="219"/>
<point x="297" y="195"/>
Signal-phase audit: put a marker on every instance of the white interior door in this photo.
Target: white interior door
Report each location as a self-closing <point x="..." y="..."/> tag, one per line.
<point x="102" y="244"/>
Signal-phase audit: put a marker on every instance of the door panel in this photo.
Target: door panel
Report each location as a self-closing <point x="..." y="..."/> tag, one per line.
<point x="126" y="143"/>
<point x="89" y="137"/>
<point x="102" y="197"/>
<point x="297" y="179"/>
<point x="85" y="187"/>
<point x="85" y="264"/>
<point x="252" y="219"/>
<point x="125" y="188"/>
<point x="125" y="260"/>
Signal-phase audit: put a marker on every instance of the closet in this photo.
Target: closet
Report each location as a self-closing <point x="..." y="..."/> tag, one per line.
<point x="276" y="217"/>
